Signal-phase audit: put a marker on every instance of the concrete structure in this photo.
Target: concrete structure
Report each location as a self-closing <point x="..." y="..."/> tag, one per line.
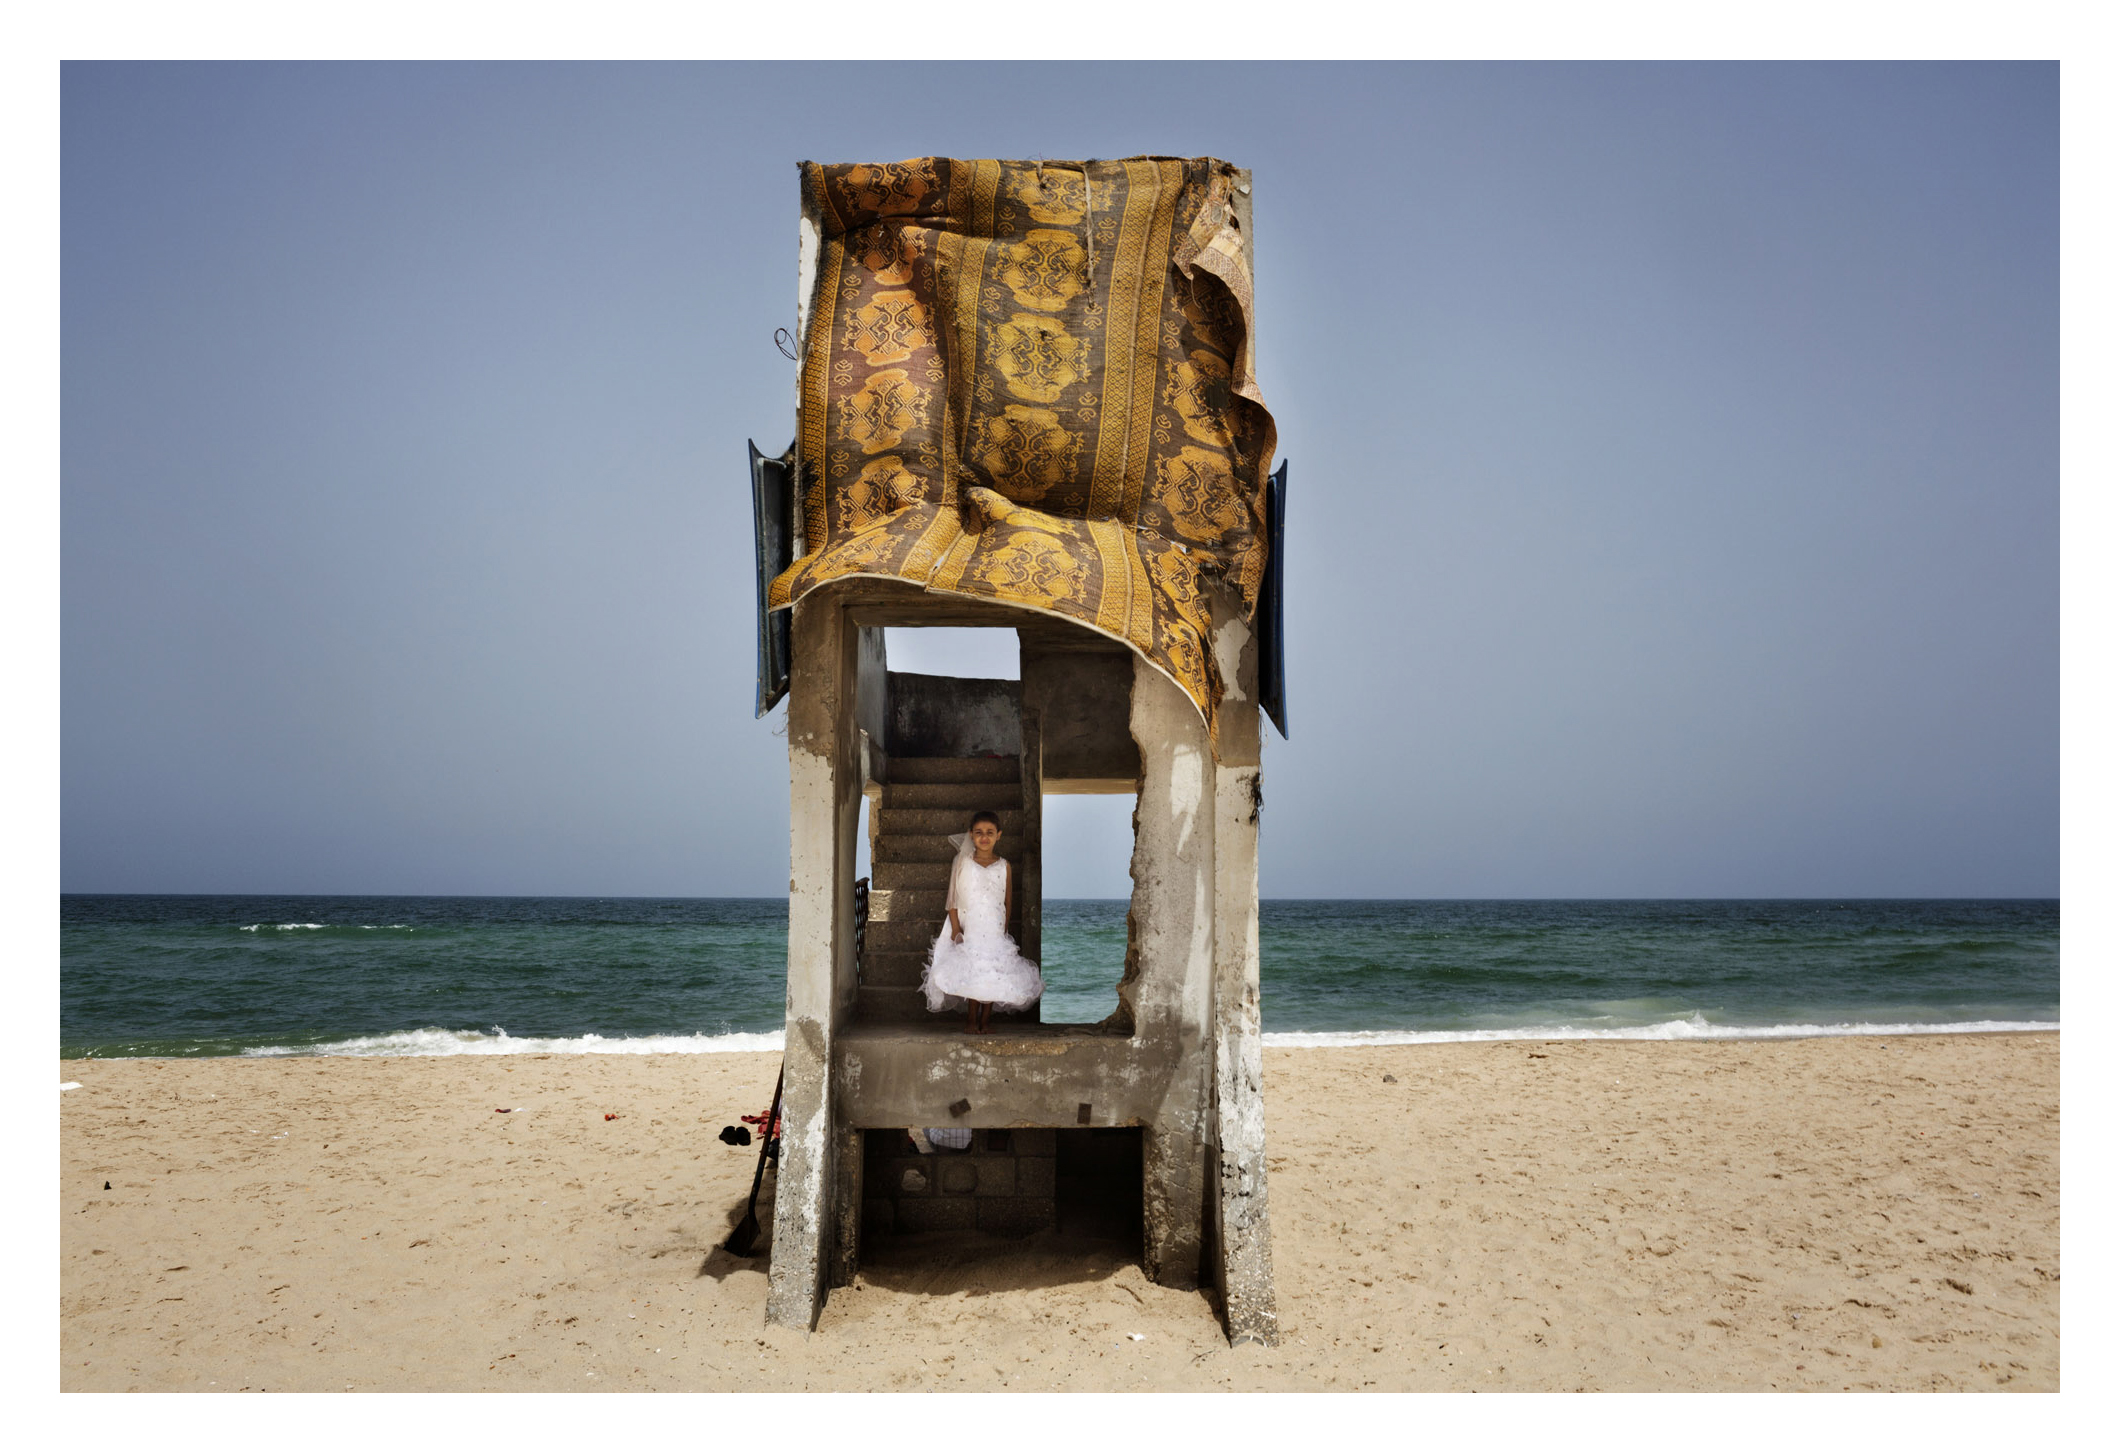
<point x="1179" y="1054"/>
<point x="1177" y="1058"/>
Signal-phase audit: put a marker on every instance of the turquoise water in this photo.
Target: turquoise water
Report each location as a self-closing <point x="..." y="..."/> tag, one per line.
<point x="151" y="975"/>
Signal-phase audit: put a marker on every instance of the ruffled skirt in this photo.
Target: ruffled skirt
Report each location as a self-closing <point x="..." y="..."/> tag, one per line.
<point x="986" y="966"/>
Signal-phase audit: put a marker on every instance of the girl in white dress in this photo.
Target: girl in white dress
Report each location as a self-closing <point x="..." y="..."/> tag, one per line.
<point x="974" y="961"/>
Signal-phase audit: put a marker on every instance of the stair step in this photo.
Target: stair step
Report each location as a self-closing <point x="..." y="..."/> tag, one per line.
<point x="878" y="1004"/>
<point x="933" y="847"/>
<point x="911" y="936"/>
<point x="956" y="769"/>
<point x="942" y="821"/>
<point x="914" y="935"/>
<point x="905" y="905"/>
<point x="893" y="968"/>
<point x="922" y="875"/>
<point x="964" y="797"/>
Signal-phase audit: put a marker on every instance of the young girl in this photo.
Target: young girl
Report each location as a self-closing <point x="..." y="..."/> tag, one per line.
<point x="974" y="960"/>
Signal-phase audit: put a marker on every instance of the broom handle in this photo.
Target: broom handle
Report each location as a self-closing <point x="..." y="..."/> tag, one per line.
<point x="765" y="1139"/>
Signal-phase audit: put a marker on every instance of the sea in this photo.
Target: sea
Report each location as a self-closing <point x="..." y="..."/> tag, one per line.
<point x="188" y="976"/>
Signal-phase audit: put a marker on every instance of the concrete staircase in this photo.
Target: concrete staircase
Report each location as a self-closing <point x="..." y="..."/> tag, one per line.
<point x="924" y="801"/>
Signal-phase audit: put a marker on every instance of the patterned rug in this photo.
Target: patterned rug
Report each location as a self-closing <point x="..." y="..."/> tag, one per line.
<point x="1031" y="382"/>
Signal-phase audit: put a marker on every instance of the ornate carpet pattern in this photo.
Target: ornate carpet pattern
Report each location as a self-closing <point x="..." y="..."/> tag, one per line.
<point x="1032" y="383"/>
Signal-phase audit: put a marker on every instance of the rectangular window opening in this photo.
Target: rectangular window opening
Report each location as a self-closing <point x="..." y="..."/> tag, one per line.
<point x="979" y="653"/>
<point x="1087" y="859"/>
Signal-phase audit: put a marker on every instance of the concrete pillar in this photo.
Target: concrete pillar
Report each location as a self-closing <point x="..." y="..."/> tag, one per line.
<point x="1170" y="968"/>
<point x="1030" y="880"/>
<point x="824" y="791"/>
<point x="1243" y="1254"/>
<point x="847" y="1165"/>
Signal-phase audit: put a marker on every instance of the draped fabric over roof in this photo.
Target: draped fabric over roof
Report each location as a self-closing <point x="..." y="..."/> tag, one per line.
<point x="1031" y="382"/>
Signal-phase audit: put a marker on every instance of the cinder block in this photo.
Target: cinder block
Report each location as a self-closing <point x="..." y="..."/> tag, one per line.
<point x="877" y="1216"/>
<point x="997" y="1175"/>
<point x="958" y="1177"/>
<point x="1031" y="1142"/>
<point x="1034" y="1176"/>
<point x="941" y="1213"/>
<point x="1012" y="1215"/>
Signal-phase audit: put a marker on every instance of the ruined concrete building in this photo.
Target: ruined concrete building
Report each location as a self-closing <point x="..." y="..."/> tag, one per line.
<point x="1027" y="401"/>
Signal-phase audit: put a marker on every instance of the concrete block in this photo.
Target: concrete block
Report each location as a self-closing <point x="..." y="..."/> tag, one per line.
<point x="943" y="1213"/>
<point x="878" y="1215"/>
<point x="1031" y="1142"/>
<point x="1034" y="1176"/>
<point x="1012" y="1215"/>
<point x="957" y="1177"/>
<point x="997" y="1175"/>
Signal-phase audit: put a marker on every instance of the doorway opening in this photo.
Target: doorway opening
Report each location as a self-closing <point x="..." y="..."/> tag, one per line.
<point x="947" y="1211"/>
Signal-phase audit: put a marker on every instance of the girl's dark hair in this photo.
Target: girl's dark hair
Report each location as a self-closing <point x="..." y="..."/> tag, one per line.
<point x="984" y="816"/>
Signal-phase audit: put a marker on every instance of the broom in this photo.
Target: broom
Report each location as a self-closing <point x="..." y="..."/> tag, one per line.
<point x="745" y="1237"/>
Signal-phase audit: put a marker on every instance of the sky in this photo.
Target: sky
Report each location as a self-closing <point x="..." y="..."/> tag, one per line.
<point x="1673" y="463"/>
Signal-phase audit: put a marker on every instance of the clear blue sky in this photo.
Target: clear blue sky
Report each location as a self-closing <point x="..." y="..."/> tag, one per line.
<point x="1673" y="485"/>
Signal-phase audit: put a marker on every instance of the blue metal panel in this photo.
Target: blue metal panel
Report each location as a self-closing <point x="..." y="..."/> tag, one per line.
<point x="773" y="520"/>
<point x="1273" y="686"/>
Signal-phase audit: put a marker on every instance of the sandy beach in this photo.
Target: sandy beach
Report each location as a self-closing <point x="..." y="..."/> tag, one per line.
<point x="1828" y="1214"/>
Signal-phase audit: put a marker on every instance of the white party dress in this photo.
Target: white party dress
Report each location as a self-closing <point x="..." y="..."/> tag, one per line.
<point x="987" y="966"/>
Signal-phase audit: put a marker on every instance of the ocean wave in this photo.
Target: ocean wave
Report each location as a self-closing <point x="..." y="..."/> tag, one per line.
<point x="254" y="927"/>
<point x="499" y="1041"/>
<point x="1692" y="1027"/>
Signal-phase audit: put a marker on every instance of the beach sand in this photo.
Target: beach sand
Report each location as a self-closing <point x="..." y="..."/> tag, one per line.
<point x="1867" y="1213"/>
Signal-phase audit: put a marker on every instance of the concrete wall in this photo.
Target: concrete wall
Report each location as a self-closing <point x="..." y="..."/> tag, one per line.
<point x="872" y="686"/>
<point x="1082" y="698"/>
<point x="950" y="716"/>
<point x="912" y="1075"/>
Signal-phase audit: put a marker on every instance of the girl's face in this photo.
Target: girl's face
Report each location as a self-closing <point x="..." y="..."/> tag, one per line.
<point x="984" y="836"/>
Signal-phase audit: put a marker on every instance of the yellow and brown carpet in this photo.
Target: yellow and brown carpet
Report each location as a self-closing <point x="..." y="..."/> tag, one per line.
<point x="1031" y="382"/>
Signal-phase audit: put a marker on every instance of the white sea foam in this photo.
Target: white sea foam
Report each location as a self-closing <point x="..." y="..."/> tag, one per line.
<point x="254" y="927"/>
<point x="418" y="1042"/>
<point x="499" y="1041"/>
<point x="1691" y="1027"/>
